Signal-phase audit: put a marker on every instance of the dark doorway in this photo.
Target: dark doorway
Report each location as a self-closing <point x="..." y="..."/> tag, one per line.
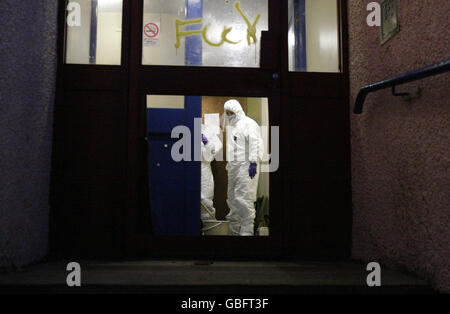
<point x="100" y="201"/>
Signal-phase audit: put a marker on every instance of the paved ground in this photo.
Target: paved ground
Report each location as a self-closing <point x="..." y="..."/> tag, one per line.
<point x="153" y="276"/>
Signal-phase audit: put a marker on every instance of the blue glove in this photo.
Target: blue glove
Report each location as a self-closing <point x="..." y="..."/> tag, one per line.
<point x="252" y="170"/>
<point x="204" y="139"/>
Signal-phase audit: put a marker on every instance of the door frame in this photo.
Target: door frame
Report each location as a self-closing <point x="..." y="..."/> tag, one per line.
<point x="130" y="235"/>
<point x="234" y="82"/>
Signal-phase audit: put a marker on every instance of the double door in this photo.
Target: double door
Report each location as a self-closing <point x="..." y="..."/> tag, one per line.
<point x="111" y="146"/>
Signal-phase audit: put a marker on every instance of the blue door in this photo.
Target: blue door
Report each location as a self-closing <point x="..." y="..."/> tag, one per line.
<point x="174" y="186"/>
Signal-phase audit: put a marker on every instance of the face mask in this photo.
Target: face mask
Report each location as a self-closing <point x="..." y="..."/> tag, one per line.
<point x="231" y="118"/>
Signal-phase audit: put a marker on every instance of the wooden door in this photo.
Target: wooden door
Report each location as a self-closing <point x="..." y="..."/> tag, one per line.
<point x="100" y="202"/>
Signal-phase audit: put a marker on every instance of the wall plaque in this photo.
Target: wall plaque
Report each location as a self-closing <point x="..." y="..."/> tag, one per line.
<point x="389" y="20"/>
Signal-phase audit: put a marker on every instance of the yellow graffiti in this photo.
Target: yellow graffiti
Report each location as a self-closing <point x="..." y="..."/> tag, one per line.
<point x="225" y="32"/>
<point x="179" y="34"/>
<point x="251" y="28"/>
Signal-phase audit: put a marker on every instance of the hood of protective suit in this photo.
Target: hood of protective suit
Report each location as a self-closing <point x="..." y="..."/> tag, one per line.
<point x="234" y="106"/>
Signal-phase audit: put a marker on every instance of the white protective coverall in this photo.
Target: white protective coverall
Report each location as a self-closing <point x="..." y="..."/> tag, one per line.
<point x="244" y="146"/>
<point x="209" y="152"/>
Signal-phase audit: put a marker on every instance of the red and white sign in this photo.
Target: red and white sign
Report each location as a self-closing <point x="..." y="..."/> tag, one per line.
<point x="151" y="34"/>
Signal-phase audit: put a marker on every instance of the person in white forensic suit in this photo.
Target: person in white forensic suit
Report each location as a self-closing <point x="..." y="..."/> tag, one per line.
<point x="244" y="152"/>
<point x="211" y="145"/>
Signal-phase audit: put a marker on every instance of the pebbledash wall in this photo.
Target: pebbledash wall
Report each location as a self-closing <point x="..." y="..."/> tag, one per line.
<point x="400" y="149"/>
<point x="27" y="87"/>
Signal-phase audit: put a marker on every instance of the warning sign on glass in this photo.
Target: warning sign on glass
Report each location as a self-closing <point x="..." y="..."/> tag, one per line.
<point x="152" y="32"/>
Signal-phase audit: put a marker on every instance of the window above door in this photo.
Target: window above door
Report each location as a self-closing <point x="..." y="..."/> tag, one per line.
<point x="221" y="33"/>
<point x="313" y="38"/>
<point x="209" y="33"/>
<point x="94" y="32"/>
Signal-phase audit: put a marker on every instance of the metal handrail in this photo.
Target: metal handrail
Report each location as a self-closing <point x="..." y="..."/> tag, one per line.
<point x="434" y="69"/>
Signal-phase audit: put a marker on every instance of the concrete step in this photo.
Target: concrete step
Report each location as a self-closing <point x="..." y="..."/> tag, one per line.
<point x="219" y="277"/>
